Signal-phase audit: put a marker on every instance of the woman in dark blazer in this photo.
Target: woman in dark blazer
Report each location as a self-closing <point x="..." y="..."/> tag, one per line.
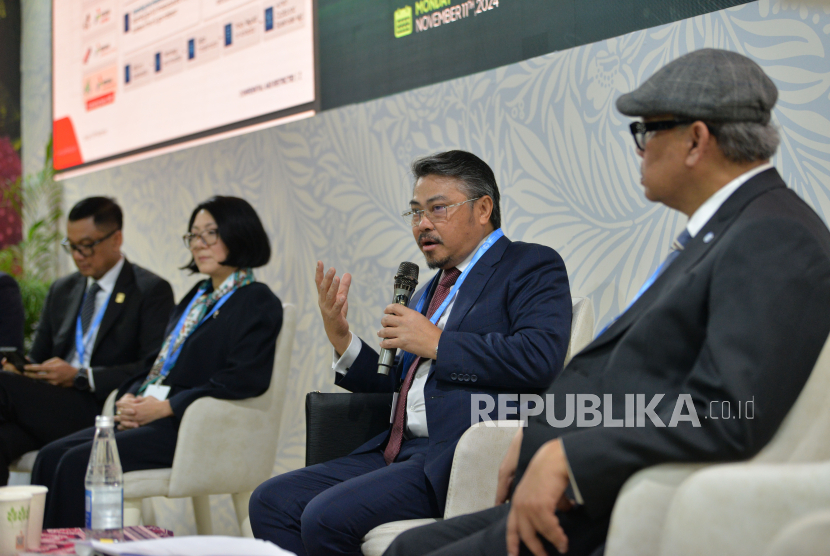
<point x="220" y="343"/>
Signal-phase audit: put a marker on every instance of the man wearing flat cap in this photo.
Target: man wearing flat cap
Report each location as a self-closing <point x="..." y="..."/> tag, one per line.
<point x="737" y="312"/>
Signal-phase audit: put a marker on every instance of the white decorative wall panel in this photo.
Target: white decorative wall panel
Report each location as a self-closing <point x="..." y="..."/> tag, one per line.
<point x="331" y="187"/>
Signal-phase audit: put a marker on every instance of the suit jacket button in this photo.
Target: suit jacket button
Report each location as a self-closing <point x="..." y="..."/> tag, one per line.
<point x="453" y="376"/>
<point x="466" y="378"/>
<point x="473" y="378"/>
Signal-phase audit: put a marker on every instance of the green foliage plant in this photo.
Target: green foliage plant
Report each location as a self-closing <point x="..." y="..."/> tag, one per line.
<point x="37" y="198"/>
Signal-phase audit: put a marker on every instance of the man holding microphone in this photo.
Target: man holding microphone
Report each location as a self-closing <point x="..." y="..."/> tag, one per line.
<point x="494" y="319"/>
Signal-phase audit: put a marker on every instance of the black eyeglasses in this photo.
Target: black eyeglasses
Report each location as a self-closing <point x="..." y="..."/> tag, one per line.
<point x="642" y="130"/>
<point x="208" y="237"/>
<point x="85" y="249"/>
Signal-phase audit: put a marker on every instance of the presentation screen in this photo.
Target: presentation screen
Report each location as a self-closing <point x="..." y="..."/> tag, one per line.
<point x="373" y="49"/>
<point x="130" y="75"/>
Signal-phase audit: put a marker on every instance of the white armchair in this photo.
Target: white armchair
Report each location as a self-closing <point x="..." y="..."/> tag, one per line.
<point x="475" y="465"/>
<point x="473" y="481"/>
<point x="740" y="507"/>
<point x="25" y="463"/>
<point x="734" y="508"/>
<point x="223" y="447"/>
<point x="806" y="536"/>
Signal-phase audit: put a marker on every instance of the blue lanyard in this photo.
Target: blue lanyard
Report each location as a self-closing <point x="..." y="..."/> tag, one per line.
<point x="171" y="358"/>
<point x="488" y="243"/>
<point x="81" y="341"/>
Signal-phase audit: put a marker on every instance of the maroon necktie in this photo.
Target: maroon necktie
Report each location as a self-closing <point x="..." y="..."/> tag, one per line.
<point x="393" y="448"/>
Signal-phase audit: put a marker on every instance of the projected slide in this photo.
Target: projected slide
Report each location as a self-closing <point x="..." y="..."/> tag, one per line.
<point x="130" y="74"/>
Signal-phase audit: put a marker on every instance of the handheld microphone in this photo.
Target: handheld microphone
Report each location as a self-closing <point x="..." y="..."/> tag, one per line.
<point x="405" y="282"/>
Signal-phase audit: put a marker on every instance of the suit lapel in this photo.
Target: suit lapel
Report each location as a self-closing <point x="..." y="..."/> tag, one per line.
<point x="472" y="287"/>
<point x="694" y="251"/>
<point x="65" y="338"/>
<point x="123" y="290"/>
<point x="474" y="283"/>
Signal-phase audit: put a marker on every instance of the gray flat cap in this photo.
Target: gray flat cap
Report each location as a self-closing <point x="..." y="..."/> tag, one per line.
<point x="707" y="84"/>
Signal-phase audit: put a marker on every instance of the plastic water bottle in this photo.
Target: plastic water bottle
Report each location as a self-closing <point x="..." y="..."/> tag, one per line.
<point x="104" y="479"/>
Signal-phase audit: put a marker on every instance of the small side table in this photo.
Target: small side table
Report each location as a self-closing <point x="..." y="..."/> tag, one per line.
<point x="62" y="541"/>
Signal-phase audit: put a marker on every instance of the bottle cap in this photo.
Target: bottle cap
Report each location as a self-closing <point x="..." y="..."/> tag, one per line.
<point x="104" y="421"/>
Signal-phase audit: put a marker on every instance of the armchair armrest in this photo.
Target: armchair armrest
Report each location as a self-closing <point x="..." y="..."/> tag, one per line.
<point x="805" y="536"/>
<point x="472" y="485"/>
<point x="109" y="404"/>
<point x="742" y="506"/>
<point x="229" y="434"/>
<point x="641" y="508"/>
<point x="475" y="467"/>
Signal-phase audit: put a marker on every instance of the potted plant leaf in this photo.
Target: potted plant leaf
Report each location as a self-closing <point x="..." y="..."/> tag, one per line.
<point x="37" y="199"/>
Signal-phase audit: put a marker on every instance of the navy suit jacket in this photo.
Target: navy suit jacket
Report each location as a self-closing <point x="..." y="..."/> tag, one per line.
<point x="508" y="332"/>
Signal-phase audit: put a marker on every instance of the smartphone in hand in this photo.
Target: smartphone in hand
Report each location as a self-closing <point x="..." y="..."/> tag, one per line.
<point x="14" y="357"/>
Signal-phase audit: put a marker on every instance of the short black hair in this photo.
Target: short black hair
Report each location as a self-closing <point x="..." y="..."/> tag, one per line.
<point x="240" y="229"/>
<point x="474" y="173"/>
<point x="105" y="212"/>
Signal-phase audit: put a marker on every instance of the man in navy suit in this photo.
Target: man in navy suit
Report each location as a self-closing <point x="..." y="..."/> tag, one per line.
<point x="495" y="319"/>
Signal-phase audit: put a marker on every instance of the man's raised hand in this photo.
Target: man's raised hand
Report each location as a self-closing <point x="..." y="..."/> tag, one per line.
<point x="333" y="299"/>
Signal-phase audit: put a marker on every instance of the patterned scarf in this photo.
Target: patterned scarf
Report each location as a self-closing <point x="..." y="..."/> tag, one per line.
<point x="198" y="310"/>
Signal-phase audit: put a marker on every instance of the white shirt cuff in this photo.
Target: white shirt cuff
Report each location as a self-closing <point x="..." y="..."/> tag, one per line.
<point x="348" y="358"/>
<point x="575" y="488"/>
<point x="91" y="380"/>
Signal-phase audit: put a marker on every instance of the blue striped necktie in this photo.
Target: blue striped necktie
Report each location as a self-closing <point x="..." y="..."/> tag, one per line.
<point x="88" y="307"/>
<point x="677" y="247"/>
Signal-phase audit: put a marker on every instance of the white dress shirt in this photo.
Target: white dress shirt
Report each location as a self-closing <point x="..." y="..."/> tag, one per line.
<point x="708" y="209"/>
<point x="416" y="410"/>
<point x="107" y="284"/>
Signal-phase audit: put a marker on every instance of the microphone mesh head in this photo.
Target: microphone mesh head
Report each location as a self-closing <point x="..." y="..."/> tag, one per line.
<point x="408" y="271"/>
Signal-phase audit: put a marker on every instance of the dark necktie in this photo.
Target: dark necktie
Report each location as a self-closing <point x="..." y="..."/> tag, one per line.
<point x="88" y="308"/>
<point x="393" y="448"/>
<point x="677" y="247"/>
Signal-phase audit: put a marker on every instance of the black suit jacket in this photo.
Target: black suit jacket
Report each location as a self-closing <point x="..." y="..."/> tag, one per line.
<point x="230" y="356"/>
<point x="11" y="313"/>
<point x="740" y="315"/>
<point x="130" y="330"/>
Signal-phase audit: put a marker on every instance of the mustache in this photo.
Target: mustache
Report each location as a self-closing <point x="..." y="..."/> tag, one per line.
<point x="426" y="237"/>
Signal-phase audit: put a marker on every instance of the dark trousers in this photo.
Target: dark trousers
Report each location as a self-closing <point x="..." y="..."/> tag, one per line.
<point x="61" y="465"/>
<point x="484" y="533"/>
<point x="34" y="413"/>
<point x="326" y="509"/>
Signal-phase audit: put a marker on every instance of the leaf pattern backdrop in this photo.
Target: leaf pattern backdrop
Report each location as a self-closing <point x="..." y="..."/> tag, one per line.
<point x="332" y="187"/>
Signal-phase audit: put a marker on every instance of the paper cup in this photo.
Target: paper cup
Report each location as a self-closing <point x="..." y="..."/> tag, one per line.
<point x="14" y="521"/>
<point x="36" y="507"/>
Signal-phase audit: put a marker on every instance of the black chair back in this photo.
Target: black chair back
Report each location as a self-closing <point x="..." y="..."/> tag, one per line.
<point x="338" y="423"/>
